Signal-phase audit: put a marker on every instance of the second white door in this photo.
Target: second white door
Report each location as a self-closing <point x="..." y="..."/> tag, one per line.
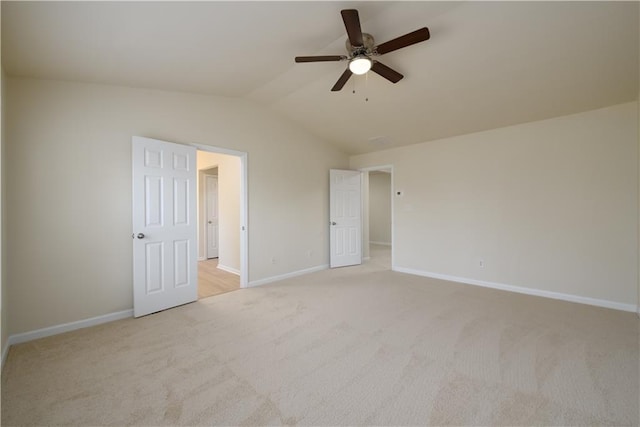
<point x="211" y="183"/>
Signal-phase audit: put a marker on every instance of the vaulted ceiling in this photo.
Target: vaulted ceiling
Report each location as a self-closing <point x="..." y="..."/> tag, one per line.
<point x="487" y="64"/>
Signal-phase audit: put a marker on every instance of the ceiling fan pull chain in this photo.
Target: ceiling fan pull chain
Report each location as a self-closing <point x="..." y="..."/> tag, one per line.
<point x="366" y="87"/>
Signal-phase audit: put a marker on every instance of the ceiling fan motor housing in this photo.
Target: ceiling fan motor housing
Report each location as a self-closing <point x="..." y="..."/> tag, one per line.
<point x="366" y="49"/>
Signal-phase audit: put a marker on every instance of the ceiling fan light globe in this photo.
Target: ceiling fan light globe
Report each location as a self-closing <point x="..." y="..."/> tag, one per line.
<point x="360" y="65"/>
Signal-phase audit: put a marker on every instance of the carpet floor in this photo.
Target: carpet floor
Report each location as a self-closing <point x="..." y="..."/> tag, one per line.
<point x="352" y="346"/>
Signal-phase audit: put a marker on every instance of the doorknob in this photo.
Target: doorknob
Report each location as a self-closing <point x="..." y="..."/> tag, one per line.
<point x="140" y="236"/>
<point x="333" y="223"/>
<point x="210" y="222"/>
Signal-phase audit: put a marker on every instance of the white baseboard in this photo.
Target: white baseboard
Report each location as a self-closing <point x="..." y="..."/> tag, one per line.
<point x="202" y="258"/>
<point x="228" y="269"/>
<point x="287" y="275"/>
<point x="521" y="290"/>
<point x="371" y="242"/>
<point x="66" y="327"/>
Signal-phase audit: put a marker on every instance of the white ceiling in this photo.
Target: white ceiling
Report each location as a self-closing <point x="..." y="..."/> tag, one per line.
<point x="487" y="64"/>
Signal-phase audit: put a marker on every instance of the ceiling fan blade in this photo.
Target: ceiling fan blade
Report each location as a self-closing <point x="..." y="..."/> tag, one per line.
<point x="320" y="58"/>
<point x="342" y="80"/>
<point x="390" y="74"/>
<point x="413" y="37"/>
<point x="352" y="24"/>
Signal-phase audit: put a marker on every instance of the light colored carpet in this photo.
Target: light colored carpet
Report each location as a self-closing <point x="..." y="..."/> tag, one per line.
<point x="351" y="346"/>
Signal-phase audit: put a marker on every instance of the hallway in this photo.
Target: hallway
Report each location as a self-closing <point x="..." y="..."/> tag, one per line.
<point x="213" y="281"/>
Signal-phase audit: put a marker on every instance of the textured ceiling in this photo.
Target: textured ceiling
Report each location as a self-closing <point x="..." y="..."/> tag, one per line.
<point x="487" y="64"/>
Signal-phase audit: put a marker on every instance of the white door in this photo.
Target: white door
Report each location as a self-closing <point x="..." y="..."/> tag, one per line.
<point x="211" y="183"/>
<point x="345" y="237"/>
<point x="164" y="225"/>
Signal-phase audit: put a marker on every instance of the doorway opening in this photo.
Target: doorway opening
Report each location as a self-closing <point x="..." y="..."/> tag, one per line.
<point x="221" y="213"/>
<point x="377" y="208"/>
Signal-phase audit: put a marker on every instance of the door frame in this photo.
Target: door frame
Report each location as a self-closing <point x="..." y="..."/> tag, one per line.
<point x="388" y="167"/>
<point x="244" y="203"/>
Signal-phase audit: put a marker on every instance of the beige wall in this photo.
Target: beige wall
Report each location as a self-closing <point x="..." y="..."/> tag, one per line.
<point x="550" y="205"/>
<point x="228" y="172"/>
<point x="68" y="175"/>
<point x="229" y="191"/>
<point x="4" y="320"/>
<point x="380" y="208"/>
<point x="4" y="329"/>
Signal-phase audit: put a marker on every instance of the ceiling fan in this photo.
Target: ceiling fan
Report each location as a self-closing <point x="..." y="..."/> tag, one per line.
<point x="361" y="48"/>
